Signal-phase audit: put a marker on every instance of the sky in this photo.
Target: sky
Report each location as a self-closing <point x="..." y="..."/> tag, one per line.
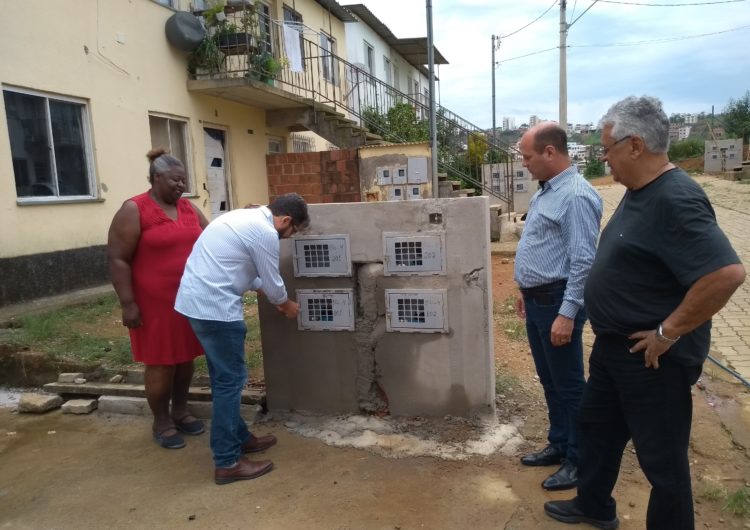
<point x="689" y="75"/>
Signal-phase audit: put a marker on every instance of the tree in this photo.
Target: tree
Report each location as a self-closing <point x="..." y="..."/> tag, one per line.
<point x="737" y="117"/>
<point x="594" y="168"/>
<point x="477" y="149"/>
<point x="686" y="149"/>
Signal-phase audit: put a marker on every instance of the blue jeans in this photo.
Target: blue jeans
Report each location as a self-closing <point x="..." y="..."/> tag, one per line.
<point x="560" y="368"/>
<point x="623" y="400"/>
<point x="224" y="344"/>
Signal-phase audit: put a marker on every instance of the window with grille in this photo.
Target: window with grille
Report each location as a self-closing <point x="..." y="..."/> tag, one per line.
<point x="50" y="145"/>
<point x="408" y="253"/>
<point x="320" y="309"/>
<point x="411" y="310"/>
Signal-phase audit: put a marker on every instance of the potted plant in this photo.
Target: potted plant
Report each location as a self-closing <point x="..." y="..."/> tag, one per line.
<point x="265" y="67"/>
<point x="206" y="58"/>
<point x="239" y="35"/>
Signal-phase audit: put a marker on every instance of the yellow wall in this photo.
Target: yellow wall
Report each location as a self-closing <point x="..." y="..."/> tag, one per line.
<point x="69" y="48"/>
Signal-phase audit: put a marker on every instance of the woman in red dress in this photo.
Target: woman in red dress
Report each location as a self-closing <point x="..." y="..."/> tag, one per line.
<point x="150" y="239"/>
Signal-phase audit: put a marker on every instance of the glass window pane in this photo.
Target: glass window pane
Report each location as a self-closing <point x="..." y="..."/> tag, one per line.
<point x="70" y="154"/>
<point x="29" y="144"/>
<point x="159" y="132"/>
<point x="177" y="138"/>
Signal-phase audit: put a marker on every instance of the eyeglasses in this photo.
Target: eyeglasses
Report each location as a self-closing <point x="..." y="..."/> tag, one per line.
<point x="605" y="150"/>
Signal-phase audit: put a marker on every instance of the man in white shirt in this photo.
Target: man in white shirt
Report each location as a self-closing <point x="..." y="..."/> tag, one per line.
<point x="237" y="252"/>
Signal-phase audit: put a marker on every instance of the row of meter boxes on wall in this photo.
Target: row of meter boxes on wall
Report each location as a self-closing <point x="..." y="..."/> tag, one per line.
<point x="404" y="181"/>
<point x="404" y="254"/>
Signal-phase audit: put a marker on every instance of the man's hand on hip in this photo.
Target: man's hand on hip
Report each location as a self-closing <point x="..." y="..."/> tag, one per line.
<point x="562" y="330"/>
<point x="520" y="307"/>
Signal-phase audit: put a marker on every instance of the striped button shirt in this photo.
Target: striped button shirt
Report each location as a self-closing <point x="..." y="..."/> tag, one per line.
<point x="237" y="252"/>
<point x="559" y="239"/>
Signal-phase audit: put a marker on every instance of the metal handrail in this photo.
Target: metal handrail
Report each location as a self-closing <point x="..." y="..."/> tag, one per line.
<point x="327" y="79"/>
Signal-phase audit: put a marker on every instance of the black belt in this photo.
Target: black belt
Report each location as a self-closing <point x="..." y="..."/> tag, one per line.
<point x="547" y="287"/>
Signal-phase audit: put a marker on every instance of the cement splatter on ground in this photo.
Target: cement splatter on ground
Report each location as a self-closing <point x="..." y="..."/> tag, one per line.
<point x="448" y="438"/>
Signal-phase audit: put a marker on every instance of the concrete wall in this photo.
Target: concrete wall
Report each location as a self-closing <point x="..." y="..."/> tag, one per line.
<point x="326" y="176"/>
<point x="373" y="369"/>
<point x="722" y="155"/>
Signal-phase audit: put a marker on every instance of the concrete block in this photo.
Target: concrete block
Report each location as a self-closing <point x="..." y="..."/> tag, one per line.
<point x="38" y="402"/>
<point x="69" y="377"/>
<point x="200" y="409"/>
<point x="116" y="379"/>
<point x="80" y="380"/>
<point x="124" y="405"/>
<point x="79" y="406"/>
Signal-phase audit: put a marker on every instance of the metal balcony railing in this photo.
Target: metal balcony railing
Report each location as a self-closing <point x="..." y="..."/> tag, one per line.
<point x="323" y="78"/>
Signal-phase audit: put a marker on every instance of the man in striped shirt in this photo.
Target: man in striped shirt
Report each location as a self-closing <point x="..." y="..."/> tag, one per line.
<point x="237" y="252"/>
<point x="553" y="258"/>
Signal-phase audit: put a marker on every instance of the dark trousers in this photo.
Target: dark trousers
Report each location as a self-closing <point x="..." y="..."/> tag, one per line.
<point x="560" y="368"/>
<point x="623" y="400"/>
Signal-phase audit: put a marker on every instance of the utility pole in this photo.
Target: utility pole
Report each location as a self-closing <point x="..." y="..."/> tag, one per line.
<point x="495" y="46"/>
<point x="433" y="121"/>
<point x="563" y="69"/>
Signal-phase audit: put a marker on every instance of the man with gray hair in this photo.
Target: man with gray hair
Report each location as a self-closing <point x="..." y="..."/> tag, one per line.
<point x="663" y="268"/>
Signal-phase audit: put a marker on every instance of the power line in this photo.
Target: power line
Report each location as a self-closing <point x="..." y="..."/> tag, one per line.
<point x="636" y="43"/>
<point x="579" y="16"/>
<point x="670" y="5"/>
<point x="530" y="23"/>
<point x="574" y="9"/>
<point x="668" y="39"/>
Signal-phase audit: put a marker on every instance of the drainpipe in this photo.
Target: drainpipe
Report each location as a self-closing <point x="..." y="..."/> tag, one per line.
<point x="433" y="123"/>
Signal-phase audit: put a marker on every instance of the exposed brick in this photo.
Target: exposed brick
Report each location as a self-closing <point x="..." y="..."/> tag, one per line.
<point x="290" y="179"/>
<point x="313" y="167"/>
<point x="288" y="169"/>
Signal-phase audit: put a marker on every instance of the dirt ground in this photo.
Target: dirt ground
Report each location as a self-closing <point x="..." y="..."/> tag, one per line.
<point x="103" y="471"/>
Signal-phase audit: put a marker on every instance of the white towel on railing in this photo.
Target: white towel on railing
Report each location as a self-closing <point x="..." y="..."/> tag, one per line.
<point x="292" y="47"/>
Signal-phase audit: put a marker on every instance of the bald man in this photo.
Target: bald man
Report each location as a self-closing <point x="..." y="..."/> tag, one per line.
<point x="553" y="258"/>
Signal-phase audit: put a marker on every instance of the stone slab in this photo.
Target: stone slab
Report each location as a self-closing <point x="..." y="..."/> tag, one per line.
<point x="69" y="377"/>
<point x="249" y="397"/>
<point x="79" y="406"/>
<point x="139" y="406"/>
<point x="37" y="403"/>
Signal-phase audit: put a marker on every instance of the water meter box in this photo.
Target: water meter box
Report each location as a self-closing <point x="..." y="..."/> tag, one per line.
<point x="325" y="309"/>
<point x="385" y="176"/>
<point x="399" y="175"/>
<point x="321" y="255"/>
<point x="416" y="170"/>
<point x="416" y="310"/>
<point x="396" y="193"/>
<point x="410" y="254"/>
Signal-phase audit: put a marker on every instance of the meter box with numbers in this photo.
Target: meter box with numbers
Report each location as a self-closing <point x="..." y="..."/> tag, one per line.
<point x="413" y="192"/>
<point x="396" y="193"/>
<point x="399" y="175"/>
<point x="325" y="309"/>
<point x="416" y="310"/>
<point x="385" y="176"/>
<point x="412" y="254"/>
<point x="322" y="255"/>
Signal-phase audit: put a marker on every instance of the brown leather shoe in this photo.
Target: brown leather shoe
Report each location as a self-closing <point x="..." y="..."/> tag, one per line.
<point x="257" y="444"/>
<point x="244" y="470"/>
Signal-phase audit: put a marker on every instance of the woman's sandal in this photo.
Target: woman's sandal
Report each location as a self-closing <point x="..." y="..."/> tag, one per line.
<point x="193" y="428"/>
<point x="174" y="441"/>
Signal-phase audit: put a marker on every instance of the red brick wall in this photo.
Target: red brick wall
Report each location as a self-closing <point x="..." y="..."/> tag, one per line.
<point x="327" y="176"/>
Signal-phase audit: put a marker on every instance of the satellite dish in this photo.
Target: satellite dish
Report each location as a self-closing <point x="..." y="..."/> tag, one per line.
<point x="184" y="31"/>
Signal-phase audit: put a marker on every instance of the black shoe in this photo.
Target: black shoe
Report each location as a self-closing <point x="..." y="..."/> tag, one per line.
<point x="549" y="456"/>
<point x="564" y="478"/>
<point x="567" y="512"/>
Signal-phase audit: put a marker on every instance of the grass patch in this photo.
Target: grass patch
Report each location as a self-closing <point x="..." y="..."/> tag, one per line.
<point x="505" y="315"/>
<point x="93" y="332"/>
<point x="713" y="492"/>
<point x="506" y="384"/>
<point x="738" y="503"/>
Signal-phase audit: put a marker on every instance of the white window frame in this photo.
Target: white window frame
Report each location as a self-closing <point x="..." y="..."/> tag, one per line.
<point x="87" y="141"/>
<point x="388" y="67"/>
<point x="191" y="188"/>
<point x="328" y="57"/>
<point x="370" y="59"/>
<point x="275" y="140"/>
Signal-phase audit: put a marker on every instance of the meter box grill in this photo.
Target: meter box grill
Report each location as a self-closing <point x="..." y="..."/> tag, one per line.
<point x="412" y="254"/>
<point x="322" y="255"/>
<point x="416" y="310"/>
<point x="325" y="309"/>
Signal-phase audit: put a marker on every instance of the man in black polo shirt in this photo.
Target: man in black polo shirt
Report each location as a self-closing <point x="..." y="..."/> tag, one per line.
<point x="663" y="268"/>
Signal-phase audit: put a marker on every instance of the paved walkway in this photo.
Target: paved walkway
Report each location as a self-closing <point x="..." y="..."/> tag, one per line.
<point x="731" y="326"/>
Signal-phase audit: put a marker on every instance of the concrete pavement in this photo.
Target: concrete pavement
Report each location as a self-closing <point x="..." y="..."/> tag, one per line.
<point x="731" y="326"/>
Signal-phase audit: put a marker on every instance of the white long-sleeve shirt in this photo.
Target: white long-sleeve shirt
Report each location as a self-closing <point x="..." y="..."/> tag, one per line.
<point x="237" y="252"/>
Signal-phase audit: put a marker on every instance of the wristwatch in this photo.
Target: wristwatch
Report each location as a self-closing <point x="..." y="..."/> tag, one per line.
<point x="663" y="338"/>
